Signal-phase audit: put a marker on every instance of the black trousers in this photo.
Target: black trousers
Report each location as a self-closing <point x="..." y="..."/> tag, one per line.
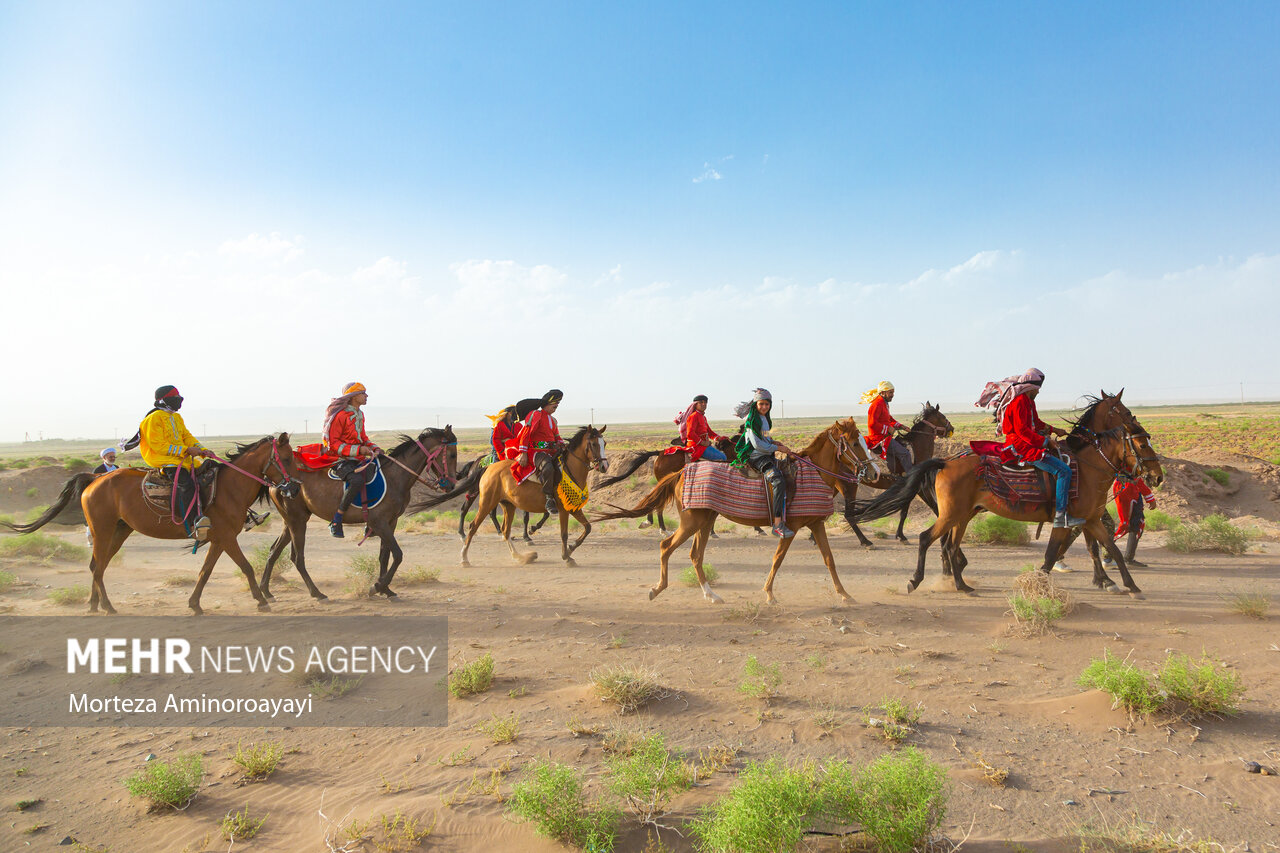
<point x="549" y="473"/>
<point x="776" y="483"/>
<point x="353" y="481"/>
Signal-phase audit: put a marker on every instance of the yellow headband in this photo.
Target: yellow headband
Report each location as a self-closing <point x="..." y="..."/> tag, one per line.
<point x="872" y="393"/>
<point x="353" y="388"/>
<point x="493" y="419"/>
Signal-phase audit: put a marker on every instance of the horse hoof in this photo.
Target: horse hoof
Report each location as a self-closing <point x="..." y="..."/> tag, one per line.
<point x="712" y="597"/>
<point x="320" y="596"/>
<point x="769" y="598"/>
<point x="867" y="546"/>
<point x="1137" y="595"/>
<point x="465" y="564"/>
<point x="268" y="596"/>
<point x="911" y="587"/>
<point x="195" y="611"/>
<point x="965" y="588"/>
<point x="644" y="525"/>
<point x="263" y="607"/>
<point x="845" y="598"/>
<point x="653" y="593"/>
<point x="571" y="563"/>
<point x="374" y="591"/>
<point x="1112" y="588"/>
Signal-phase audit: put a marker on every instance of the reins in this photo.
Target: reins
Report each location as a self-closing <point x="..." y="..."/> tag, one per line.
<point x="858" y="466"/>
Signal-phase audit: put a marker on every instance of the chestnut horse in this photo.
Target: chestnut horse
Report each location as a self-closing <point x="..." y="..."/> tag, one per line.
<point x="114" y="507"/>
<point x="469" y="474"/>
<point x="837" y="445"/>
<point x="1108" y="442"/>
<point x="583" y="453"/>
<point x="429" y="458"/>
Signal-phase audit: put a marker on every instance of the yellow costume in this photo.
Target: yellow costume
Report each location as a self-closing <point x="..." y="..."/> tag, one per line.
<point x="164" y="438"/>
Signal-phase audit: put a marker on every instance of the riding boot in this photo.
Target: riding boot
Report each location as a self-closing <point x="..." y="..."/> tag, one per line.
<point x="186" y="492"/>
<point x="353" y="485"/>
<point x="1063" y="519"/>
<point x="778" y="498"/>
<point x="549" y="473"/>
<point x="1131" y="549"/>
<point x="252" y="519"/>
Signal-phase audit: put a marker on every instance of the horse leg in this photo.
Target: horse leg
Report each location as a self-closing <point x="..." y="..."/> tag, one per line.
<point x="467" y="501"/>
<point x="586" y="528"/>
<point x="687" y="528"/>
<point x="824" y="545"/>
<point x="862" y="538"/>
<point x="952" y="540"/>
<point x="928" y="536"/>
<point x="1099" y="531"/>
<point x="102" y="558"/>
<point x="696" y="554"/>
<point x="206" y="569"/>
<point x="510" y="517"/>
<point x="662" y="523"/>
<point x="564" y="540"/>
<point x="390" y="549"/>
<point x="902" y="520"/>
<point x="1100" y="577"/>
<point x="541" y="522"/>
<point x="648" y="522"/>
<point x="778" y="555"/>
<point x="493" y="516"/>
<point x="298" y="540"/>
<point x="233" y="551"/>
<point x="277" y="548"/>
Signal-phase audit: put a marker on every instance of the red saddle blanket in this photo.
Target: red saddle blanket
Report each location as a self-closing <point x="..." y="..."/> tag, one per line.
<point x="1023" y="485"/>
<point x="715" y="485"/>
<point x="313" y="457"/>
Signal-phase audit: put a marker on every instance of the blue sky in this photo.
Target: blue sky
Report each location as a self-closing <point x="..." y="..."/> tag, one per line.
<point x="684" y="198"/>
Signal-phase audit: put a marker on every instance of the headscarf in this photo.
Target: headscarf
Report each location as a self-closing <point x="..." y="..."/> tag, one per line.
<point x="748" y="406"/>
<point x="871" y="393"/>
<point x="337" y="404"/>
<point x="502" y="415"/>
<point x="1000" y="394"/>
<point x="682" y="419"/>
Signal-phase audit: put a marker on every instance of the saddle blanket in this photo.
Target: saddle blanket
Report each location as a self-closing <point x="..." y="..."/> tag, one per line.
<point x="1024" y="485"/>
<point x="375" y="488"/>
<point x="715" y="485"/>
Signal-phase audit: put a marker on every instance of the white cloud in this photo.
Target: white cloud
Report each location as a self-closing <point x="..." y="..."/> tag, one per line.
<point x="983" y="269"/>
<point x="708" y="174"/>
<point x="272" y="247"/>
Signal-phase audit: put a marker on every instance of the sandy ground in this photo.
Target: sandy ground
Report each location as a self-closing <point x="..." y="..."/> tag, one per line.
<point x="980" y="688"/>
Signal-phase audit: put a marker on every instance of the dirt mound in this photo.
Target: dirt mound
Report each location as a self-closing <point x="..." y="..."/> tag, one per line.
<point x="1192" y="490"/>
<point x="24" y="489"/>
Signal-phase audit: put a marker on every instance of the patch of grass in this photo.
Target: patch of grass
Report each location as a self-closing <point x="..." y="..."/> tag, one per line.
<point x="1213" y="533"/>
<point x="468" y="679"/>
<point x="418" y="576"/>
<point x="76" y="463"/>
<point x="900" y="799"/>
<point x="362" y="571"/>
<point x="1222" y="478"/>
<point x="238" y="826"/>
<point x="168" y="784"/>
<point x="1140" y="837"/>
<point x="551" y="797"/>
<point x="578" y="728"/>
<point x="333" y="687"/>
<point x="42" y="546"/>
<point x="648" y="778"/>
<point x="767" y="811"/>
<point x="67" y="595"/>
<point x="458" y="757"/>
<point x="1129" y="686"/>
<point x="689" y="577"/>
<point x="7" y="579"/>
<point x="259" y="761"/>
<point x="399" y="832"/>
<point x="896" y="721"/>
<point x="36" y="511"/>
<point x="1198" y="689"/>
<point x="716" y="758"/>
<point x="619" y="740"/>
<point x="828" y="718"/>
<point x="994" y="775"/>
<point x="1251" y="603"/>
<point x="23" y="805"/>
<point x="748" y="612"/>
<point x="628" y="687"/>
<point x="1159" y="520"/>
<point x="258" y="559"/>
<point x="1036" y="616"/>
<point x="816" y="661"/>
<point x="33" y="492"/>
<point x="501" y="729"/>
<point x="991" y="529"/>
<point x="760" y="681"/>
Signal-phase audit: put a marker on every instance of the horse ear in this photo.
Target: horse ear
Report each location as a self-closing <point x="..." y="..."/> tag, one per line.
<point x="283" y="437"/>
<point x="1121" y="394"/>
<point x="603" y="428"/>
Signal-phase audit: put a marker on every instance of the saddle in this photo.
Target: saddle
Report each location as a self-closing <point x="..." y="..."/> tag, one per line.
<point x="157" y="487"/>
<point x="375" y="484"/>
<point x="1022" y="483"/>
<point x="787" y="466"/>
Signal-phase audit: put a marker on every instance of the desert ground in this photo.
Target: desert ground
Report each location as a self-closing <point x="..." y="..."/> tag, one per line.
<point x="983" y="690"/>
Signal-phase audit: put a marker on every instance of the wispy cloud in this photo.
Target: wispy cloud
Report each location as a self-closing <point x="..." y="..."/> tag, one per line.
<point x="272" y="247"/>
<point x="708" y="174"/>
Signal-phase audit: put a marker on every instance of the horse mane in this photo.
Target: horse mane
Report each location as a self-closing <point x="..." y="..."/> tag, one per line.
<point x="407" y="441"/>
<point x="576" y="441"/>
<point x="247" y="447"/>
<point x="925" y="410"/>
<point x="812" y="446"/>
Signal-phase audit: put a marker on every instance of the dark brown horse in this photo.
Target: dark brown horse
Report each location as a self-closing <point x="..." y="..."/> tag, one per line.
<point x="429" y="458"/>
<point x="1107" y="441"/>
<point x="115" y="508"/>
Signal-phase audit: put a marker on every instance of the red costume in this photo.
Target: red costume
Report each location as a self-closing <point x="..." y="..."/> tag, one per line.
<point x="880" y="425"/>
<point x="346" y="434"/>
<point x="540" y="434"/>
<point x="1125" y="494"/>
<point x="1024" y="433"/>
<point x="696" y="429"/>
<point x="502" y="433"/>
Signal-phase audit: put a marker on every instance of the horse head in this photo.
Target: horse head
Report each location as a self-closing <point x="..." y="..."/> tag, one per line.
<point x="933" y="416"/>
<point x="1108" y="411"/>
<point x="588" y="442"/>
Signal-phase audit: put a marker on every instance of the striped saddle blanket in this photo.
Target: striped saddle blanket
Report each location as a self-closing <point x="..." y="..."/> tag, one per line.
<point x="715" y="485"/>
<point x="1024" y="485"/>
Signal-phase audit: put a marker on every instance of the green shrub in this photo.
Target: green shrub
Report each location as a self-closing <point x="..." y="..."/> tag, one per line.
<point x="33" y="492"/>
<point x="1252" y="603"/>
<point x="259" y="761"/>
<point x="501" y="729"/>
<point x="1198" y="688"/>
<point x="1130" y="687"/>
<point x="627" y="687"/>
<point x="469" y="679"/>
<point x="75" y="463"/>
<point x="238" y="826"/>
<point x="768" y="811"/>
<point x="7" y="579"/>
<point x="900" y="799"/>
<point x="168" y="784"/>
<point x="689" y="577"/>
<point x="1222" y="478"/>
<point x="1214" y="533"/>
<point x="68" y="595"/>
<point x="648" y="777"/>
<point x="362" y="571"/>
<point x="42" y="546"/>
<point x="994" y="530"/>
<point x="760" y="681"/>
<point x="1036" y="615"/>
<point x="551" y="798"/>
<point x="1158" y="520"/>
<point x="258" y="559"/>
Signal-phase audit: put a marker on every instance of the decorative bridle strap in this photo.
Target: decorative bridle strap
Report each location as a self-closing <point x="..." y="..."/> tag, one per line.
<point x="431" y="457"/>
<point x="858" y="466"/>
<point x="275" y="457"/>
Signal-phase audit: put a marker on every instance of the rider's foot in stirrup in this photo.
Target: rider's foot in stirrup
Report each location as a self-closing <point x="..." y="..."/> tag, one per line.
<point x="335" y="527"/>
<point x="200" y="529"/>
<point x="782" y="531"/>
<point x="1065" y="520"/>
<point x="551" y="507"/>
<point x="1108" y="563"/>
<point x="1061" y="566"/>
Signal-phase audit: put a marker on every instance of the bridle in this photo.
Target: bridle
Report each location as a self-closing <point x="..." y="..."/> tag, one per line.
<point x="844" y="454"/>
<point x="431" y="459"/>
<point x="261" y="477"/>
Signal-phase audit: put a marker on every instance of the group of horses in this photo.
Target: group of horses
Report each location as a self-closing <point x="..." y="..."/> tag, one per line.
<point x="1106" y="439"/>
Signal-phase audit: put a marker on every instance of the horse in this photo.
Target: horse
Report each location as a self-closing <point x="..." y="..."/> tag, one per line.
<point x="1108" y="442"/>
<point x="837" y="445"/>
<point x="665" y="464"/>
<point x="583" y="453"/>
<point x="469" y="475"/>
<point x="430" y="457"/>
<point x="115" y="507"/>
<point x="928" y="426"/>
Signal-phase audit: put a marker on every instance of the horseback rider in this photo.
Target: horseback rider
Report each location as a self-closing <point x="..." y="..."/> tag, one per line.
<point x="167" y="444"/>
<point x="755" y="447"/>
<point x="881" y="427"/>
<point x="540" y="440"/>
<point x="699" y="437"/>
<point x="1029" y="439"/>
<point x="343" y="434"/>
<point x="1133" y="498"/>
<point x="504" y="430"/>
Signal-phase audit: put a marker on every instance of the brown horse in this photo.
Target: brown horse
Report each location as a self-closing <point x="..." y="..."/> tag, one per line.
<point x="583" y="453"/>
<point x="115" y="508"/>
<point x="1108" y="442"/>
<point x="429" y="458"/>
<point x="837" y="445"/>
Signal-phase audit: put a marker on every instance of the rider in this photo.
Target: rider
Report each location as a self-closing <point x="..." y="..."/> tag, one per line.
<point x="504" y="429"/>
<point x="699" y="438"/>
<point x="344" y="435"/>
<point x="755" y="447"/>
<point x="540" y="439"/>
<point x="1132" y="499"/>
<point x="166" y="443"/>
<point x="881" y="427"/>
<point x="1027" y="437"/>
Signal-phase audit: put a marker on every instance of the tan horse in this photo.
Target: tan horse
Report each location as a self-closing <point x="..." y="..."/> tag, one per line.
<point x="835" y="446"/>
<point x="115" y="508"/>
<point x="664" y="464"/>
<point x="582" y="454"/>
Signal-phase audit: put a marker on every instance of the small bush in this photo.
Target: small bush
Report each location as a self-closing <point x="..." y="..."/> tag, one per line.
<point x="1222" y="478"/>
<point x="259" y="761"/>
<point x="626" y="686"/>
<point x="68" y="595"/>
<point x="900" y="800"/>
<point x="168" y="784"/>
<point x="33" y="492"/>
<point x="1253" y="604"/>
<point x="1036" y="615"/>
<point x="768" y="811"/>
<point x="362" y="571"/>
<point x="42" y="546"/>
<point x="551" y="798"/>
<point x="418" y="576"/>
<point x="1214" y="533"/>
<point x="501" y="729"/>
<point x="76" y="463"/>
<point x="1157" y="520"/>
<point x="258" y="559"/>
<point x="7" y="579"/>
<point x="469" y="679"/>
<point x="238" y="826"/>
<point x="648" y="777"/>
<point x="1130" y="687"/>
<point x="1198" y="688"/>
<point x="994" y="530"/>
<point x="760" y="681"/>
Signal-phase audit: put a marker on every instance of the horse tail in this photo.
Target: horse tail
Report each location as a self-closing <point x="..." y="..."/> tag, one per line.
<point x="636" y="461"/>
<point x="900" y="495"/>
<point x="662" y="494"/>
<point x="464" y="486"/>
<point x="71" y="490"/>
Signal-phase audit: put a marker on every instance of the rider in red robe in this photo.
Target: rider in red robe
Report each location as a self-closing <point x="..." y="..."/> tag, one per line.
<point x="698" y="435"/>
<point x="1028" y="438"/>
<point x="539" y="444"/>
<point x="1132" y="499"/>
<point x="881" y="427"/>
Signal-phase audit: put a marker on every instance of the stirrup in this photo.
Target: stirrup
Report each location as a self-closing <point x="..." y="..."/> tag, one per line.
<point x="552" y="507"/>
<point x="253" y="520"/>
<point x="200" y="529"/>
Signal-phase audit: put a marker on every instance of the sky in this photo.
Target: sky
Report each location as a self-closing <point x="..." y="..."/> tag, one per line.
<point x="463" y="204"/>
